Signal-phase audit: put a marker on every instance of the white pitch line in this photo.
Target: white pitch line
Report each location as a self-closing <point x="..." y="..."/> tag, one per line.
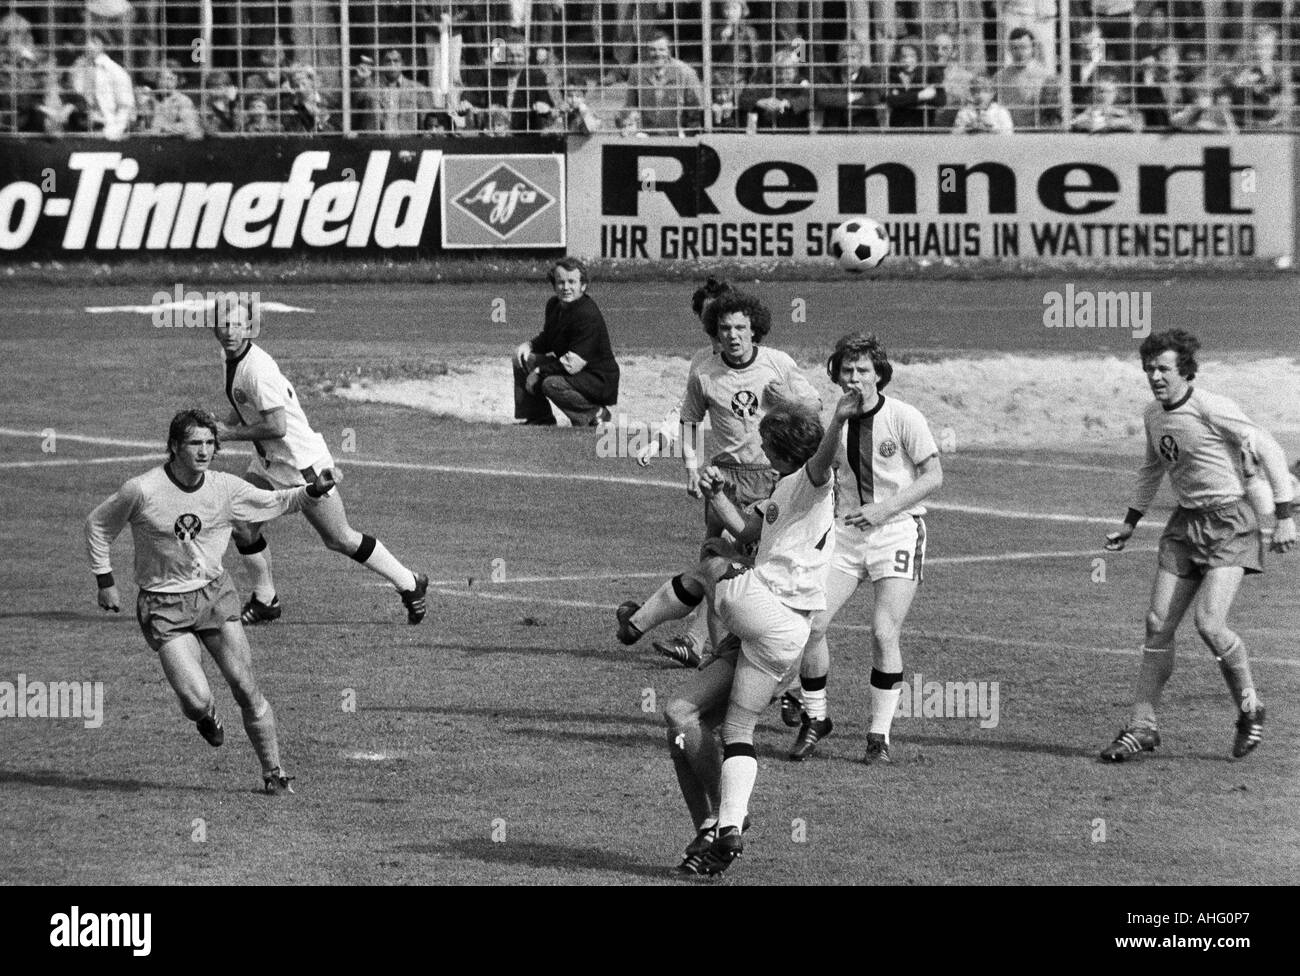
<point x="924" y="634"/>
<point x="68" y="462"/>
<point x="598" y="478"/>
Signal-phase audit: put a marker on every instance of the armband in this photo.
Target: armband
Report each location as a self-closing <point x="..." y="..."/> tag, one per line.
<point x="1282" y="510"/>
<point x="1133" y="517"/>
<point x="104" y="580"/>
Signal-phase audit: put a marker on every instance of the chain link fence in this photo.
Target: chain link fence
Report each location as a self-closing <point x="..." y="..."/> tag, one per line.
<point x="195" y="68"/>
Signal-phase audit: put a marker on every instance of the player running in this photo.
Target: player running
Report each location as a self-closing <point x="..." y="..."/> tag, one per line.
<point x="181" y="516"/>
<point x="266" y="411"/>
<point x="1203" y="441"/>
<point x="767" y="608"/>
<point x="886" y="464"/>
<point x="734" y="390"/>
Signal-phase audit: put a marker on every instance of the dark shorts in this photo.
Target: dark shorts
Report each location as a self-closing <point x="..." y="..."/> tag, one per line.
<point x="165" y="616"/>
<point x="747" y="485"/>
<point x="1196" y="540"/>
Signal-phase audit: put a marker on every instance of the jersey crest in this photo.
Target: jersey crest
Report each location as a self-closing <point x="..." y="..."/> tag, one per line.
<point x="187" y="527"/>
<point x="773" y="513"/>
<point x="744" y="404"/>
<point x="1169" y="448"/>
<point x="888" y="448"/>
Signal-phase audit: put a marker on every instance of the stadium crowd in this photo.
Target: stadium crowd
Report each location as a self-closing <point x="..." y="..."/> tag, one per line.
<point x="493" y="68"/>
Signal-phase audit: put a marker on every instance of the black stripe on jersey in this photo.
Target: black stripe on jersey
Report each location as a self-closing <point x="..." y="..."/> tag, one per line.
<point x="860" y="430"/>
<point x="231" y="366"/>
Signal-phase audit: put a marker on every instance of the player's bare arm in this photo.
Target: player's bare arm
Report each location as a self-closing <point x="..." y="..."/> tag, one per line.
<point x="819" y="465"/>
<point x="929" y="480"/>
<point x="271" y="426"/>
<point x="689" y="458"/>
<point x="745" y="529"/>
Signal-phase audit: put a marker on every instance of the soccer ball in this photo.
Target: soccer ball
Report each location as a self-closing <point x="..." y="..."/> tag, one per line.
<point x="859" y="245"/>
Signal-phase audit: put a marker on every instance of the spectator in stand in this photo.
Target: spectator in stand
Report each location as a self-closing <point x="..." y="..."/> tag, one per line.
<point x="782" y="98"/>
<point x="665" y="91"/>
<point x="257" y="116"/>
<point x="734" y="50"/>
<point x="956" y="79"/>
<point x="1025" y="88"/>
<point x="632" y="24"/>
<point x="145" y="106"/>
<point x="1115" y="18"/>
<point x="854" y="103"/>
<point x="1089" y="62"/>
<point x="1152" y="32"/>
<point x="1106" y="113"/>
<point x="308" y="111"/>
<point x="628" y="121"/>
<point x="271" y="78"/>
<point x="21" y="88"/>
<point x="1163" y="91"/>
<point x="982" y="113"/>
<point x="1211" y="109"/>
<point x="59" y="110"/>
<point x="1039" y="18"/>
<point x="402" y="104"/>
<point x="515" y="87"/>
<point x="912" y="91"/>
<point x="219" y="104"/>
<point x="1263" y="94"/>
<point x="174" y="112"/>
<point x="106" y="88"/>
<point x="362" y="96"/>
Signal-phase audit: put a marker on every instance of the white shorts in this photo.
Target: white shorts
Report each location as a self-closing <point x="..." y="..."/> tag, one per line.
<point x="772" y="635"/>
<point x="281" y="475"/>
<point x="893" y="550"/>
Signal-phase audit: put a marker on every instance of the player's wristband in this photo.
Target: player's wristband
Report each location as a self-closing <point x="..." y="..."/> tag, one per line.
<point x="104" y="580"/>
<point x="1133" y="517"/>
<point x="1282" y="510"/>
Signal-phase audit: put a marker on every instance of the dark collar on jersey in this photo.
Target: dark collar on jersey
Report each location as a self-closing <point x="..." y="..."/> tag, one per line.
<point x="185" y="488"/>
<point x="744" y="365"/>
<point x="1185" y="397"/>
<point x="880" y="402"/>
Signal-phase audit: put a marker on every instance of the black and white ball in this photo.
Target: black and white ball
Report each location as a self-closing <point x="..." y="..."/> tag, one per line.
<point x="859" y="244"/>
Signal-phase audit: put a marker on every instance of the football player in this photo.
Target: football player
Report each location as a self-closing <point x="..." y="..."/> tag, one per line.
<point x="688" y="649"/>
<point x="266" y="411"/>
<point x="181" y="515"/>
<point x="886" y="464"/>
<point x="1204" y="443"/>
<point x="734" y="390"/>
<point x="767" y="608"/>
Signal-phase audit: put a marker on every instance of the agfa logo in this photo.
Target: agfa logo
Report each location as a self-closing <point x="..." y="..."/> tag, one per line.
<point x="503" y="201"/>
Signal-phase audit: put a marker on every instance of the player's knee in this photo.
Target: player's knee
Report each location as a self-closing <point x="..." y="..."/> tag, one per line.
<point x="1214" y="631"/>
<point x="246" y="694"/>
<point x="680" y="714"/>
<point x="346" y="542"/>
<point x="886" y="634"/>
<point x="1157" y="624"/>
<point x="194" y="705"/>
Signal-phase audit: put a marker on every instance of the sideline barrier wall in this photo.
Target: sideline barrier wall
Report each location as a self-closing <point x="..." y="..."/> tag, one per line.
<point x="398" y="197"/>
<point x="1024" y="197"/>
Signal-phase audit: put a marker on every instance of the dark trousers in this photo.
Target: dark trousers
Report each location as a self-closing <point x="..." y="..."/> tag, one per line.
<point x="535" y="394"/>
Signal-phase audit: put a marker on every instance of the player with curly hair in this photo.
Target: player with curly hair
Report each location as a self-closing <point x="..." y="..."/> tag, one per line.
<point x="1205" y="444"/>
<point x="735" y="390"/>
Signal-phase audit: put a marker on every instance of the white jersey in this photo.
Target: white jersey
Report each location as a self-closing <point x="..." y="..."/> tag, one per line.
<point x="797" y="542"/>
<point x="878" y="456"/>
<point x="180" y="534"/>
<point x="255" y="384"/>
<point x="731" y="397"/>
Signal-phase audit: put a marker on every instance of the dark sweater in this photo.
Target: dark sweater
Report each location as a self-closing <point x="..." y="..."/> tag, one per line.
<point x="580" y="328"/>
